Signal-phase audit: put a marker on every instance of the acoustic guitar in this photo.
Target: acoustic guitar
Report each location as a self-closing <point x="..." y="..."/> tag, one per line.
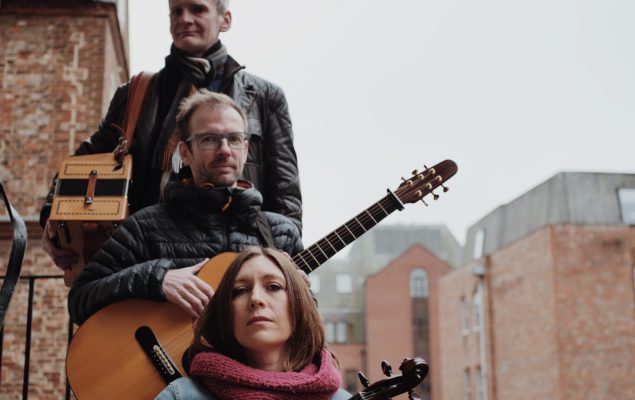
<point x="133" y="348"/>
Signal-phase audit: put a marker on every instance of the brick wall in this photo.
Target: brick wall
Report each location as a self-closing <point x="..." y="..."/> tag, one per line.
<point x="52" y="79"/>
<point x="389" y="314"/>
<point x="560" y="321"/>
<point x="59" y="65"/>
<point x="595" y="311"/>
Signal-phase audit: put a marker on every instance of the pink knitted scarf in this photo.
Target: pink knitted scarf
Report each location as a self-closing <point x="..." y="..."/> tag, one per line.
<point x="230" y="379"/>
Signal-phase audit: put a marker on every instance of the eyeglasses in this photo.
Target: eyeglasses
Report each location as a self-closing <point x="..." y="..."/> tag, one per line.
<point x="212" y="141"/>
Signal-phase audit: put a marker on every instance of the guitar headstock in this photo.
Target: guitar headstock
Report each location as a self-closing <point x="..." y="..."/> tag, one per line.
<point x="413" y="371"/>
<point x="420" y="184"/>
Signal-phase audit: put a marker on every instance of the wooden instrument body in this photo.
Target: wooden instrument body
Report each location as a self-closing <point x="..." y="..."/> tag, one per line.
<point x="90" y="201"/>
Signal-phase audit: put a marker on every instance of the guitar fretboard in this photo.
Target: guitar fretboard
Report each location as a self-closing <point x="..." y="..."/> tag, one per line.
<point x="328" y="246"/>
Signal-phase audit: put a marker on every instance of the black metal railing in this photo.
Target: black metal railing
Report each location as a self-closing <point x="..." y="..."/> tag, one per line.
<point x="31" y="281"/>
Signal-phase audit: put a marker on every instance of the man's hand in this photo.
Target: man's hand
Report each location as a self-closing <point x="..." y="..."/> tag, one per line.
<point x="63" y="258"/>
<point x="186" y="290"/>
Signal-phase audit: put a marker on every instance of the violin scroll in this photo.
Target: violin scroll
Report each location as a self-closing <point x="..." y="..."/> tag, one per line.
<point x="413" y="371"/>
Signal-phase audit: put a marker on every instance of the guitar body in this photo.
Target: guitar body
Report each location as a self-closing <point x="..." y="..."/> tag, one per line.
<point x="104" y="359"/>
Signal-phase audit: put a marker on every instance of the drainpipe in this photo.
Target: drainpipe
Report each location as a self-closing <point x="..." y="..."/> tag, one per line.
<point x="479" y="271"/>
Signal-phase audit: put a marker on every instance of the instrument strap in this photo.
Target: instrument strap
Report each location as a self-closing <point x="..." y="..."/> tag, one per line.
<point x="15" y="258"/>
<point x="137" y="90"/>
<point x="266" y="237"/>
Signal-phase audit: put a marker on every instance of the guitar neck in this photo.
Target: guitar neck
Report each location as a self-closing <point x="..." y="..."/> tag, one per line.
<point x="325" y="248"/>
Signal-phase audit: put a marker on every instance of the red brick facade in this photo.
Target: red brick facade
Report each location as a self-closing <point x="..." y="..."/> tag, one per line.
<point x="559" y="317"/>
<point x="389" y="315"/>
<point x="59" y="65"/>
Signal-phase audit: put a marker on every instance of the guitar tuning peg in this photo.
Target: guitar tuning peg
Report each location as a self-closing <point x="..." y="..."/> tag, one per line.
<point x="386" y="368"/>
<point x="403" y="179"/>
<point x="435" y="196"/>
<point x="445" y="188"/>
<point x="424" y="202"/>
<point x="415" y="172"/>
<point x="363" y="380"/>
<point x="426" y="167"/>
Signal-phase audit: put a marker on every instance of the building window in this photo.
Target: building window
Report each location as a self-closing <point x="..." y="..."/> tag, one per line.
<point x="350" y="380"/>
<point x="479" y="243"/>
<point x="343" y="283"/>
<point x="467" y="385"/>
<point x="480" y="385"/>
<point x="329" y="331"/>
<point x="626" y="198"/>
<point x="419" y="283"/>
<point x="476" y="310"/>
<point x="341" y="332"/>
<point x="315" y="283"/>
<point x="465" y="322"/>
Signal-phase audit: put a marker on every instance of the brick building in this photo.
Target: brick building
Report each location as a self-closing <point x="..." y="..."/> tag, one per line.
<point x="60" y="62"/>
<point x="544" y="307"/>
<point x="379" y="303"/>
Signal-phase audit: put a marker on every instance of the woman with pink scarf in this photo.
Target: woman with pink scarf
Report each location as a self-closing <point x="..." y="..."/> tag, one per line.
<point x="260" y="338"/>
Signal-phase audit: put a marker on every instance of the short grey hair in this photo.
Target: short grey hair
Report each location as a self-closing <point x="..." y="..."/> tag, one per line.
<point x="203" y="97"/>
<point x="222" y="6"/>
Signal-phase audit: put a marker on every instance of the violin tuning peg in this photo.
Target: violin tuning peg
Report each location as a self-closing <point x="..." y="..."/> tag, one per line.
<point x="413" y="396"/>
<point x="386" y="368"/>
<point x="363" y="380"/>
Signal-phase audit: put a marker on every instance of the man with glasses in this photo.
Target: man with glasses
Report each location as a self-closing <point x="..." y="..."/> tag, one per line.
<point x="156" y="252"/>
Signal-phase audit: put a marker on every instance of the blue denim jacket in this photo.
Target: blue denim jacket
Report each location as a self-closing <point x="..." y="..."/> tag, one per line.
<point x="189" y="389"/>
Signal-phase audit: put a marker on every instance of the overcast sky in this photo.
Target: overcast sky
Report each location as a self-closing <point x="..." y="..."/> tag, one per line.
<point x="513" y="91"/>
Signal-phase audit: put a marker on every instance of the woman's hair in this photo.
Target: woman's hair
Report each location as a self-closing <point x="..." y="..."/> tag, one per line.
<point x="215" y="329"/>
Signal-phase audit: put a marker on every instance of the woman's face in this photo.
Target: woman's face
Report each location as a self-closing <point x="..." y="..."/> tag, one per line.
<point x="261" y="313"/>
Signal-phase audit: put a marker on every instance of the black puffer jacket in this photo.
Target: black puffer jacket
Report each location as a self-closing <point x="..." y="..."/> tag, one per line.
<point x="189" y="227"/>
<point x="271" y="162"/>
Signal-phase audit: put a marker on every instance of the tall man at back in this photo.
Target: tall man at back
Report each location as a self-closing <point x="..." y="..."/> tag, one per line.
<point x="198" y="60"/>
<point x="155" y="253"/>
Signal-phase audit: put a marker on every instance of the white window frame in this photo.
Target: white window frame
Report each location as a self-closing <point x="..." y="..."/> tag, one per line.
<point x="344" y="283"/>
<point x="479" y="244"/>
<point x="314" y="280"/>
<point x="477" y="318"/>
<point x="329" y="331"/>
<point x="626" y="198"/>
<point x="419" y="284"/>
<point x="467" y="385"/>
<point x="465" y="318"/>
<point x="341" y="332"/>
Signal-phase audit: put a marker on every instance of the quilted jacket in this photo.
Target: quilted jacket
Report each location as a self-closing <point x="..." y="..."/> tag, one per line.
<point x="190" y="226"/>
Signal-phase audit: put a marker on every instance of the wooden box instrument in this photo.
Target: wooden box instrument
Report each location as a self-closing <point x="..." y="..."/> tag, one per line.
<point x="91" y="200"/>
<point x="91" y="194"/>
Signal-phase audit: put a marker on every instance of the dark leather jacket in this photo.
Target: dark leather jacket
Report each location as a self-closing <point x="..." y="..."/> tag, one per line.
<point x="189" y="227"/>
<point x="271" y="163"/>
